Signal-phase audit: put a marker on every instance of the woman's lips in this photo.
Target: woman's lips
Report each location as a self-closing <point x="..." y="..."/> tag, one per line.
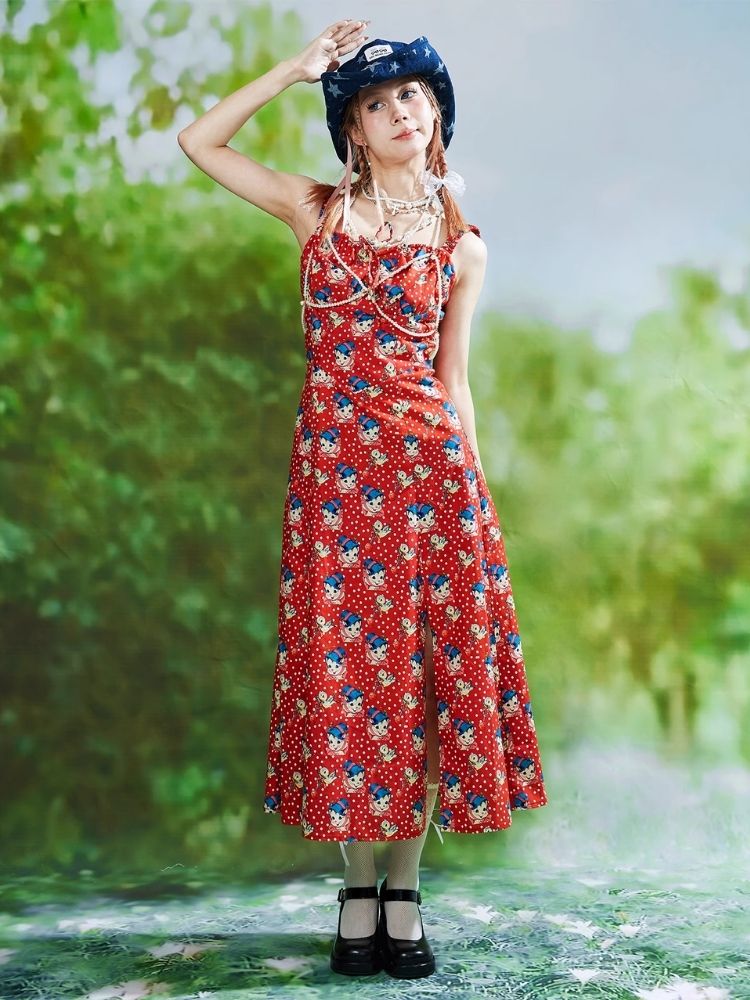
<point x="407" y="136"/>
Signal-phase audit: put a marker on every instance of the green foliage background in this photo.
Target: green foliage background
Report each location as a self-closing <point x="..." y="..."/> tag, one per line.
<point x="151" y="359"/>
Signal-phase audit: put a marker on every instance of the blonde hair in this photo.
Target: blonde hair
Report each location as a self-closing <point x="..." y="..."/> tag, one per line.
<point x="434" y="161"/>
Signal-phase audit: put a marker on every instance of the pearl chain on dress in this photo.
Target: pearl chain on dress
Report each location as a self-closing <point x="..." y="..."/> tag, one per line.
<point x="368" y="292"/>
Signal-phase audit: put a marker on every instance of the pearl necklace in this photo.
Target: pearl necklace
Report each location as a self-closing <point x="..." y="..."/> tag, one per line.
<point x="398" y="205"/>
<point x="365" y="291"/>
<point x="431" y="211"/>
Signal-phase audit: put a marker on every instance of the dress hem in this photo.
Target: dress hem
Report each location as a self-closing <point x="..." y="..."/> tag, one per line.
<point x="386" y="840"/>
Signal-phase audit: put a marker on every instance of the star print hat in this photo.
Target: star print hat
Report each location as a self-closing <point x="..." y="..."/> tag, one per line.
<point x="382" y="60"/>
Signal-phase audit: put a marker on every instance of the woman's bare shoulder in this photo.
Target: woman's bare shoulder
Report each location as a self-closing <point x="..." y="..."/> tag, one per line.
<point x="308" y="208"/>
<point x="469" y="255"/>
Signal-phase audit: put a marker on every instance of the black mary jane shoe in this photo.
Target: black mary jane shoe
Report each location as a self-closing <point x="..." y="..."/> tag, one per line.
<point x="401" y="957"/>
<point x="356" y="956"/>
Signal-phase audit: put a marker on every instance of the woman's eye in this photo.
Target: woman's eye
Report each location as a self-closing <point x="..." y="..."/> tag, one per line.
<point x="409" y="90"/>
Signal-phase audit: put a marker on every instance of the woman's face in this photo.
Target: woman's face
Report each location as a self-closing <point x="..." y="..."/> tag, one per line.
<point x="389" y="108"/>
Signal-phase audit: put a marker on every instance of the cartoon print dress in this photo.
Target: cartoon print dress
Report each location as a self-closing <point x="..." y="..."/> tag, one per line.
<point x="389" y="529"/>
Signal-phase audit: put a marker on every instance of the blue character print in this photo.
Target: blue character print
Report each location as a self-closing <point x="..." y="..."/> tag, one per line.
<point x="316" y="330"/>
<point x="513" y="640"/>
<point x="372" y="500"/>
<point x="272" y="803"/>
<point x="393" y="292"/>
<point x="338" y="736"/>
<point x="421" y="516"/>
<point x="448" y="271"/>
<point x="348" y="550"/>
<point x="333" y="587"/>
<point x="376" y="647"/>
<point x="363" y="321"/>
<point x="388" y="264"/>
<point x="478" y="592"/>
<point x="499" y="578"/>
<point x="368" y="429"/>
<point x="379" y="798"/>
<point x="343" y="354"/>
<point x="420" y="260"/>
<point x="509" y="704"/>
<point x="331" y="510"/>
<point x="377" y="723"/>
<point x="467" y="518"/>
<point x="287" y="579"/>
<point x="353" y="776"/>
<point x="428" y="386"/>
<point x="525" y="769"/>
<point x="335" y="660"/>
<point x="277" y="731"/>
<point x="440" y="587"/>
<point x="359" y="384"/>
<point x="478" y="807"/>
<point x="464" y="732"/>
<point x="346" y="477"/>
<point x="417" y="813"/>
<point x="386" y="343"/>
<point x="320" y="376"/>
<point x="329" y="441"/>
<point x="306" y="440"/>
<point x="353" y="700"/>
<point x="452" y="656"/>
<point x="350" y="625"/>
<point x="529" y="715"/>
<point x="443" y="714"/>
<point x="452" y="783"/>
<point x="411" y="445"/>
<point x="296" y="509"/>
<point x="374" y="573"/>
<point x="453" y="449"/>
<point x="416" y="589"/>
<point x="338" y="814"/>
<point x="418" y="739"/>
<point x="445" y="819"/>
<point x="344" y="406"/>
<point x="416" y="663"/>
<point x="410" y="314"/>
<point x="323" y="294"/>
<point x="335" y="272"/>
<point x="452" y="412"/>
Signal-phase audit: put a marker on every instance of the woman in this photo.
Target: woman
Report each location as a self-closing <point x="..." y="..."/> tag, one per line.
<point x="391" y="542"/>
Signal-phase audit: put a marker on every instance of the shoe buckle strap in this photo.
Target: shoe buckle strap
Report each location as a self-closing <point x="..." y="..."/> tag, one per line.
<point x="357" y="892"/>
<point x="410" y="895"/>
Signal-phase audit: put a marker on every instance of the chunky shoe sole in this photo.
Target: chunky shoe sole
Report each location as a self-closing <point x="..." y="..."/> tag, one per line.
<point x="403" y="958"/>
<point x="358" y="956"/>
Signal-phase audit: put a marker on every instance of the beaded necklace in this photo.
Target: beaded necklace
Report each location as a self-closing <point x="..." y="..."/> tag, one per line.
<point x="366" y="291"/>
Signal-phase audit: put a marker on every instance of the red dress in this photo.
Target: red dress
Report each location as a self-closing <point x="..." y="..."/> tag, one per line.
<point x="388" y="524"/>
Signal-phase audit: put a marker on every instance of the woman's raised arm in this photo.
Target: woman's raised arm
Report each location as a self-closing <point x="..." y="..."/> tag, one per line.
<point x="205" y="140"/>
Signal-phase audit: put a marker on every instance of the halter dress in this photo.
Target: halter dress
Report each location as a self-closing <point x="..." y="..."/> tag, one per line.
<point x="389" y="529"/>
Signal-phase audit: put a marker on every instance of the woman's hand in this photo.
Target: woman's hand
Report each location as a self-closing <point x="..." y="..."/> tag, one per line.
<point x="321" y="55"/>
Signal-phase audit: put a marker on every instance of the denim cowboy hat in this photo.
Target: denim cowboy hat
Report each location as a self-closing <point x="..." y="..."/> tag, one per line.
<point x="382" y="60"/>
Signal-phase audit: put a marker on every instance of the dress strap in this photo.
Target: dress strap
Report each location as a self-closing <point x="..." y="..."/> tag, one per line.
<point x="450" y="245"/>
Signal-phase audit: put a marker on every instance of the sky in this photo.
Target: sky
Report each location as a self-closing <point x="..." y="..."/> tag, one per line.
<point x="602" y="141"/>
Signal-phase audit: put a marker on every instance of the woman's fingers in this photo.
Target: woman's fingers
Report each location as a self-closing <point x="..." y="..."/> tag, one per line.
<point x="342" y="31"/>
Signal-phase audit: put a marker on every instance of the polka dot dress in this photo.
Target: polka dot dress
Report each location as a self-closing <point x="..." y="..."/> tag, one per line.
<point x="389" y="529"/>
